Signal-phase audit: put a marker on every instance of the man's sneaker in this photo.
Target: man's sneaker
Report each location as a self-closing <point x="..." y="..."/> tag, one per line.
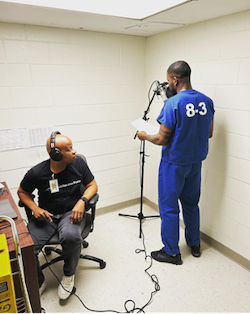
<point x="66" y="286"/>
<point x="195" y="250"/>
<point x="162" y="256"/>
<point x="42" y="288"/>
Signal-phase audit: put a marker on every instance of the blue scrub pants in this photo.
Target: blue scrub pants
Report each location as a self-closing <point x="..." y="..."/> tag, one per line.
<point x="179" y="183"/>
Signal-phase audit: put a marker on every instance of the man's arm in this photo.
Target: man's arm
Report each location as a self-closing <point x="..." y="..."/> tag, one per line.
<point x="161" y="138"/>
<point x="27" y="199"/>
<point x="211" y="130"/>
<point x="91" y="190"/>
<point x="78" y="210"/>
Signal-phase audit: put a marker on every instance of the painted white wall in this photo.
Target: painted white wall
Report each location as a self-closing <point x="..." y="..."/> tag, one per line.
<point x="218" y="52"/>
<point x="89" y="85"/>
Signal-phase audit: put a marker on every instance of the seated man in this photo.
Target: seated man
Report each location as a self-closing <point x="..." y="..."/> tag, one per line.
<point x="60" y="204"/>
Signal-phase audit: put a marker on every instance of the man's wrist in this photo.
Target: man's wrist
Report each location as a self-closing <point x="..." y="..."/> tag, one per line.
<point x="84" y="198"/>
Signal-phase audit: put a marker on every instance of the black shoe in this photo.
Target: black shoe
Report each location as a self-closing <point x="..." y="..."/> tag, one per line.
<point x="162" y="256"/>
<point x="195" y="250"/>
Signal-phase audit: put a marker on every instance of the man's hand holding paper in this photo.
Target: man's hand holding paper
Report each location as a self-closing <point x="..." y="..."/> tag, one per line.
<point x="142" y="125"/>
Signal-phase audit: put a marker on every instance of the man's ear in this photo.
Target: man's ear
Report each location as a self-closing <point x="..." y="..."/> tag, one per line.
<point x="176" y="81"/>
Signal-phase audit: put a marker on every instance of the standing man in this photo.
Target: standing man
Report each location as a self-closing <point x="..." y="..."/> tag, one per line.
<point x="61" y="205"/>
<point x="186" y="124"/>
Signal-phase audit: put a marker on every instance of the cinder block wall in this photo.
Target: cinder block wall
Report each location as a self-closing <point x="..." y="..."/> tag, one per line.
<point x="89" y="85"/>
<point x="218" y="52"/>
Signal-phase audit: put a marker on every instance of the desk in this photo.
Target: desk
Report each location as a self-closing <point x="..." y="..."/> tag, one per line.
<point x="28" y="254"/>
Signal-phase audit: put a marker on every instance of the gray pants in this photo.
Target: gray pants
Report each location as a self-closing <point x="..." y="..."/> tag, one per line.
<point x="70" y="237"/>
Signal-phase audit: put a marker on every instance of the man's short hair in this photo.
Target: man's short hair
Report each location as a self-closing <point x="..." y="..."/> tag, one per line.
<point x="180" y="69"/>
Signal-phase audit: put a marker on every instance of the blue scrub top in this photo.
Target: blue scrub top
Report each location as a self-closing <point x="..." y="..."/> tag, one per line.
<point x="189" y="114"/>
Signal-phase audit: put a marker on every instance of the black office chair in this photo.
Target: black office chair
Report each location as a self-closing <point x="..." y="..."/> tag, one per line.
<point x="51" y="245"/>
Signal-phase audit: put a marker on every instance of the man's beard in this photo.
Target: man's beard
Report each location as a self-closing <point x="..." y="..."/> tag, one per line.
<point x="170" y="92"/>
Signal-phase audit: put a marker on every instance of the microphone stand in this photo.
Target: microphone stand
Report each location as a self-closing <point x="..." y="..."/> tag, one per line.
<point x="140" y="215"/>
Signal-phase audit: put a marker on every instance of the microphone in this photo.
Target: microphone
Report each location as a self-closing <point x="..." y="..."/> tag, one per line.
<point x="164" y="91"/>
<point x="161" y="90"/>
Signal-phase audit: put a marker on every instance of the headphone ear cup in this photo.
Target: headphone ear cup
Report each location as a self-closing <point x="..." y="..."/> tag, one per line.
<point x="55" y="154"/>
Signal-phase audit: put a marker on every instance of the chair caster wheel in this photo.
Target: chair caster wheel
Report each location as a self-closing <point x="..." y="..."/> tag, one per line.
<point x="102" y="264"/>
<point x="47" y="250"/>
<point x="85" y="244"/>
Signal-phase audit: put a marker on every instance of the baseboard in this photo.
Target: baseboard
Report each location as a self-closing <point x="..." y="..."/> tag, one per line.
<point x="150" y="204"/>
<point x="226" y="251"/>
<point x="118" y="206"/>
<point x="204" y="237"/>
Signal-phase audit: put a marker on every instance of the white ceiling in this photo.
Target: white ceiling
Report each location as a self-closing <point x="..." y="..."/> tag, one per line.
<point x="190" y="12"/>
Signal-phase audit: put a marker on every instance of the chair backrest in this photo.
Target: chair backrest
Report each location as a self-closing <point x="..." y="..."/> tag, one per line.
<point x="83" y="157"/>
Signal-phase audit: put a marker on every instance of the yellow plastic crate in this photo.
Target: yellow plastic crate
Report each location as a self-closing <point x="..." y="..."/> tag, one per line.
<point x="7" y="290"/>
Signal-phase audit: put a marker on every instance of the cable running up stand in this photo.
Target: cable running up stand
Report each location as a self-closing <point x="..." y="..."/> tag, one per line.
<point x="140" y="215"/>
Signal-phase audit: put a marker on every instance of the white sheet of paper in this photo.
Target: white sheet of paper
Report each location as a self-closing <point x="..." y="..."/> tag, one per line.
<point x="142" y="125"/>
<point x="12" y="139"/>
<point x="38" y="134"/>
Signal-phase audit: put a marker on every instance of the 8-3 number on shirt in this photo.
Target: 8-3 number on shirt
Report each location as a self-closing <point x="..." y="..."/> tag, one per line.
<point x="191" y="111"/>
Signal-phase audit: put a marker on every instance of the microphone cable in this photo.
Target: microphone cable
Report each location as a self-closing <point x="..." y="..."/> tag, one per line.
<point x="151" y="88"/>
<point x="147" y="257"/>
<point x="152" y="277"/>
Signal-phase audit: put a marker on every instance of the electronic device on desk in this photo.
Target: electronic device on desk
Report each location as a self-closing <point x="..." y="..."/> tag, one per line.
<point x="6" y="209"/>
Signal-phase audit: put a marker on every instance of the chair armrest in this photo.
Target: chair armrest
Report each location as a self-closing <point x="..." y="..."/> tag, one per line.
<point x="21" y="204"/>
<point x="28" y="211"/>
<point x="92" y="202"/>
<point x="92" y="205"/>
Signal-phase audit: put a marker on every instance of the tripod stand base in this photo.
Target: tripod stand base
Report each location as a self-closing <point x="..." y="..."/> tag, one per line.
<point x="140" y="216"/>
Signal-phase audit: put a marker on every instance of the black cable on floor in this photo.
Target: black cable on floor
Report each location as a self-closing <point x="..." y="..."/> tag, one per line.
<point x="152" y="277"/>
<point x="134" y="308"/>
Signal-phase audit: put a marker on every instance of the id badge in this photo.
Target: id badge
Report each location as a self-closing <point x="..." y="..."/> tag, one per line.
<point x="54" y="186"/>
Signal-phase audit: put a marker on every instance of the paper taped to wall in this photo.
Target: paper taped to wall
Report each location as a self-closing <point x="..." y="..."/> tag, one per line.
<point x="12" y="139"/>
<point x="38" y="134"/>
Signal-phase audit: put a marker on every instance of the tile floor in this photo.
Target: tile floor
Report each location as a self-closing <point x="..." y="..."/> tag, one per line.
<point x="211" y="283"/>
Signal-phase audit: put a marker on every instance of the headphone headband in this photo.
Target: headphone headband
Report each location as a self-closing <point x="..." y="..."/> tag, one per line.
<point x="53" y="138"/>
<point x="54" y="153"/>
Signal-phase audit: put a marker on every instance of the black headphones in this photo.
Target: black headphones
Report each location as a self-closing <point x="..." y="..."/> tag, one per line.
<point x="54" y="153"/>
